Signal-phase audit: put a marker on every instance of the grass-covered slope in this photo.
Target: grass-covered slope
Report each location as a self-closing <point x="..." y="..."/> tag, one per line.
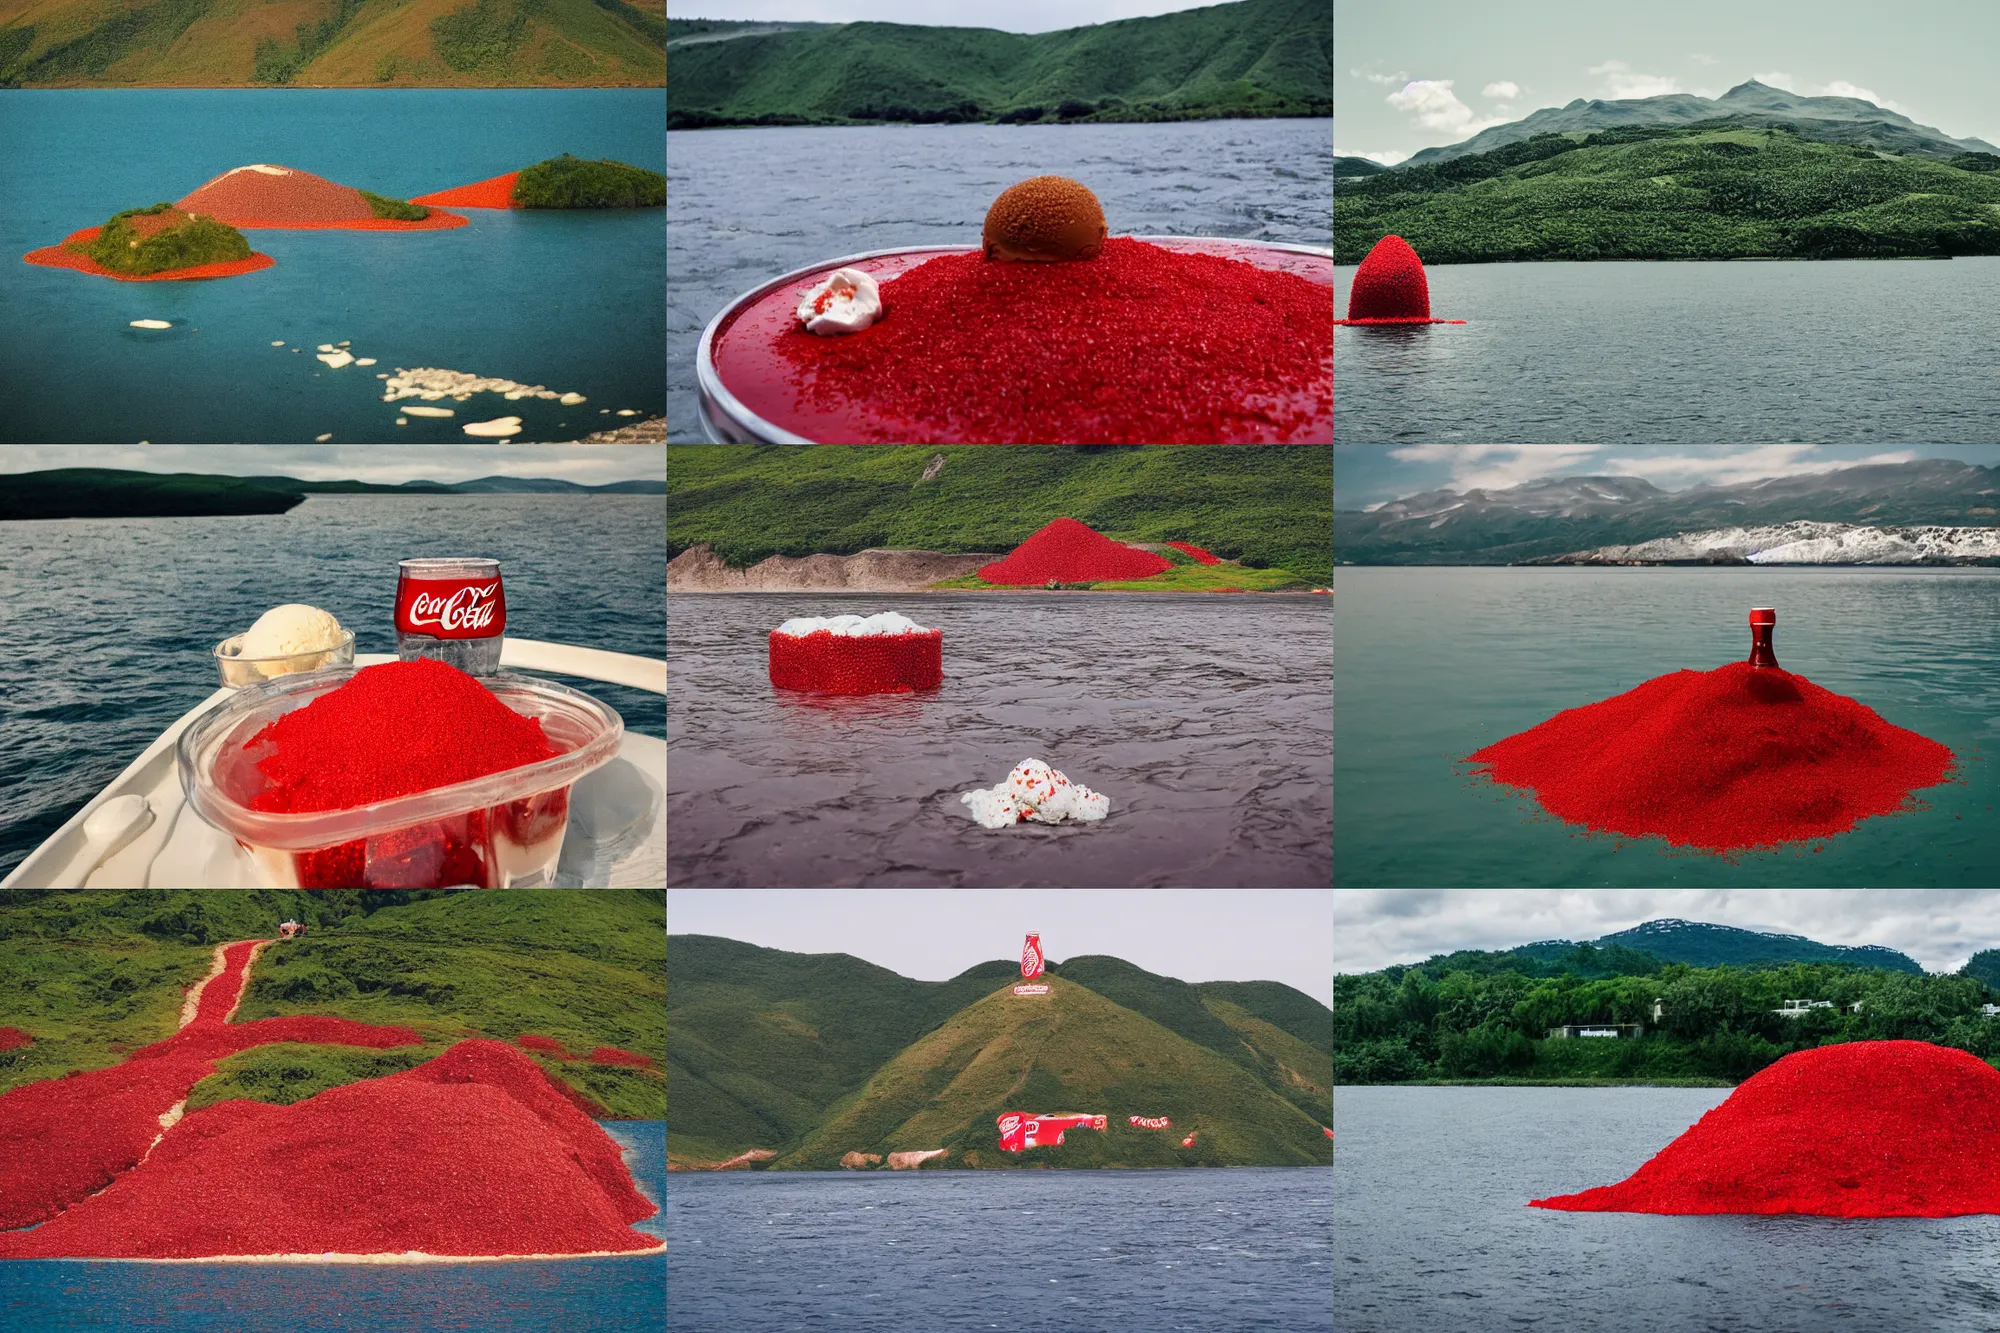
<point x="332" y="43"/>
<point x="1713" y="191"/>
<point x="1251" y="58"/>
<point x="186" y="241"/>
<point x="573" y="182"/>
<point x="1268" y="507"/>
<point x="1069" y="1051"/>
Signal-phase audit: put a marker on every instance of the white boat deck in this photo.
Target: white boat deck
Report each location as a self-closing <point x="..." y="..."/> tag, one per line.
<point x="617" y="834"/>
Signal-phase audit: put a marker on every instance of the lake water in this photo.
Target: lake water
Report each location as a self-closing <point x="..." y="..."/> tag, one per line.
<point x="110" y="625"/>
<point x="1157" y="1251"/>
<point x="744" y="206"/>
<point x="531" y="1296"/>
<point x="1669" y="353"/>
<point x="1433" y="664"/>
<point x="572" y="301"/>
<point x="1432" y="1186"/>
<point x="1203" y="718"/>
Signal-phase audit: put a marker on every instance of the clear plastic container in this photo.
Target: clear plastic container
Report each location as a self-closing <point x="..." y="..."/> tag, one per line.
<point x="238" y="670"/>
<point x="504" y="830"/>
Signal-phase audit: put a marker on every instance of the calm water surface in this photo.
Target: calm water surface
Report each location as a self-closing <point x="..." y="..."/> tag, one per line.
<point x="1432" y="1186"/>
<point x="1433" y="664"/>
<point x="1158" y="1251"/>
<point x="572" y="301"/>
<point x="1204" y="719"/>
<point x="533" y="1296"/>
<point x="1656" y="353"/>
<point x="744" y="206"/>
<point x="110" y="625"/>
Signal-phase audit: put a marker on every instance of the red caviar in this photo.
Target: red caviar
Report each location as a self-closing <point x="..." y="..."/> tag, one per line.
<point x="11" y="1038"/>
<point x="830" y="663"/>
<point x="1201" y="556"/>
<point x="612" y="1055"/>
<point x="1390" y="287"/>
<point x="1067" y="551"/>
<point x="1141" y="345"/>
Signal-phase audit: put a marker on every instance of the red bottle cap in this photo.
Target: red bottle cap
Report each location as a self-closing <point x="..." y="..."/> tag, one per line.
<point x="1763" y="615"/>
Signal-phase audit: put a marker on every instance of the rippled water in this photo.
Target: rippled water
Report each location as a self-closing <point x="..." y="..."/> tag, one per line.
<point x="1628" y="353"/>
<point x="531" y="1296"/>
<point x="1163" y="1251"/>
<point x="1205" y="719"/>
<point x="109" y="625"/>
<point x="1433" y="664"/>
<point x="744" y="206"/>
<point x="1432" y="1185"/>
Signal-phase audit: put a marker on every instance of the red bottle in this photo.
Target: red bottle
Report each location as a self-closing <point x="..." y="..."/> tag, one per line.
<point x="1763" y="623"/>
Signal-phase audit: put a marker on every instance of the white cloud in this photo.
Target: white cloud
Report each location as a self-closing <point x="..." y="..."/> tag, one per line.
<point x="1494" y="467"/>
<point x="1388" y="157"/>
<point x="1437" y="107"/>
<point x="1400" y="76"/>
<point x="1620" y="80"/>
<point x="1672" y="471"/>
<point x="1777" y="80"/>
<point x="1940" y="928"/>
<point x="1506" y="90"/>
<point x="1842" y="88"/>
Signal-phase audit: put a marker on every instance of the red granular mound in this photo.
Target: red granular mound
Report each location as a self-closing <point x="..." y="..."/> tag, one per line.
<point x="1737" y="757"/>
<point x="528" y="1041"/>
<point x="62" y="256"/>
<point x="1861" y="1129"/>
<point x="611" y="1055"/>
<point x="830" y="663"/>
<point x="392" y="729"/>
<point x="471" y="1154"/>
<point x="1390" y="287"/>
<point x="1072" y="552"/>
<point x="1142" y="345"/>
<point x="1189" y="548"/>
<point x="493" y="192"/>
<point x="10" y="1038"/>
<point x="297" y="200"/>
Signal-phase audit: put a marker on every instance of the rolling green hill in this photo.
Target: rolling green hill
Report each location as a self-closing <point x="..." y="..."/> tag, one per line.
<point x="332" y="43"/>
<point x="91" y="975"/>
<point x="1267" y="507"/>
<point x="811" y="1056"/>
<point x="1251" y="58"/>
<point x="1716" y="190"/>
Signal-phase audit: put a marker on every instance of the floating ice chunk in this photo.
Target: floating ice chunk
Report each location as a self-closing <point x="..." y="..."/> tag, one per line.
<point x="381" y="375"/>
<point x="572" y="399"/>
<point x="497" y="426"/>
<point x="603" y="411"/>
<point x="279" y="343"/>
<point x="336" y="359"/>
<point x="364" y="360"/>
<point x="432" y="383"/>
<point x="428" y="411"/>
<point x="151" y="324"/>
<point x="1035" y="791"/>
<point x="402" y="421"/>
<point x="322" y="439"/>
<point x="345" y="342"/>
<point x="627" y="412"/>
<point x="326" y="347"/>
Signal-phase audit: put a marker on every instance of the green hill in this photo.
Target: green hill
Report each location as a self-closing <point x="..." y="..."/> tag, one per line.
<point x="1267" y="507"/>
<point x="1711" y="191"/>
<point x="332" y="43"/>
<point x="91" y="975"/>
<point x="95" y="492"/>
<point x="1252" y="58"/>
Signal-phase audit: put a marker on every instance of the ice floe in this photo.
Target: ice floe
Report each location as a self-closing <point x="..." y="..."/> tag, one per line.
<point x="337" y="359"/>
<point x="497" y="426"/>
<point x="402" y="421"/>
<point x="429" y="411"/>
<point x="151" y="324"/>
<point x="627" y="412"/>
<point x="571" y="399"/>
<point x="364" y="360"/>
<point x="279" y="343"/>
<point x="431" y="383"/>
<point x="326" y="347"/>
<point x="322" y="439"/>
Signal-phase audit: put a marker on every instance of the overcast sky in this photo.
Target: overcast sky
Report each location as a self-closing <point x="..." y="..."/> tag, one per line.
<point x="1368" y="475"/>
<point x="584" y="464"/>
<point x="1940" y="928"/>
<point x="1416" y="75"/>
<point x="1020" y="16"/>
<point x="933" y="935"/>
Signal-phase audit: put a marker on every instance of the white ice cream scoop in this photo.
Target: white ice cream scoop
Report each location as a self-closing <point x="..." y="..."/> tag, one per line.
<point x="291" y="628"/>
<point x="846" y="301"/>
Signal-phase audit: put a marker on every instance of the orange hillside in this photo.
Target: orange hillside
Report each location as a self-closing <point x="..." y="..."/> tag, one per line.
<point x="264" y="196"/>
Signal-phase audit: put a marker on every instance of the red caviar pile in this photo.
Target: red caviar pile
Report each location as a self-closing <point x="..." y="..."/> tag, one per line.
<point x="1860" y="1129"/>
<point x="1071" y="552"/>
<point x="611" y="1055"/>
<point x="830" y="663"/>
<point x="528" y="1041"/>
<point x="1201" y="556"/>
<point x="10" y="1038"/>
<point x="1390" y="287"/>
<point x="1141" y="345"/>
<point x="1720" y="760"/>
<point x="493" y="192"/>
<point x="297" y="200"/>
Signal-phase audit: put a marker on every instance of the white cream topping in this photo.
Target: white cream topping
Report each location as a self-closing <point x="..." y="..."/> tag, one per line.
<point x="883" y="622"/>
<point x="846" y="301"/>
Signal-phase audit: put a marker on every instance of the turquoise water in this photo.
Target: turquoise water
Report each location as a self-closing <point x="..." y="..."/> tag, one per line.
<point x="572" y="301"/>
<point x="1433" y="664"/>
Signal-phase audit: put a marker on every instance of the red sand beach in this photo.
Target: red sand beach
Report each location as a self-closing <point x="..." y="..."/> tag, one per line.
<point x="494" y="192"/>
<point x="263" y="196"/>
<point x="61" y="256"/>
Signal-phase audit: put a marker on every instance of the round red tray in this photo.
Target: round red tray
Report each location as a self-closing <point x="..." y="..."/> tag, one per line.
<point x="747" y="396"/>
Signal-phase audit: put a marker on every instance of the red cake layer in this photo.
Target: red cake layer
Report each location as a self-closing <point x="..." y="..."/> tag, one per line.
<point x="858" y="664"/>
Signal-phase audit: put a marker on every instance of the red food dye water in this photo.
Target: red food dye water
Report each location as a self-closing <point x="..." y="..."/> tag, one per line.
<point x="1141" y="345"/>
<point x="611" y="1055"/>
<point x="1390" y="287"/>
<point x="1071" y="552"/>
<point x="11" y="1038"/>
<point x="1737" y="757"/>
<point x="829" y="663"/>
<point x="1861" y="1129"/>
<point x="1189" y="548"/>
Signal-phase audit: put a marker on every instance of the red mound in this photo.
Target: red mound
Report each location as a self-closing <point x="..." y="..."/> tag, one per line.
<point x="284" y="197"/>
<point x="493" y="192"/>
<point x="61" y="256"/>
<point x="830" y="663"/>
<point x="1737" y="757"/>
<point x="528" y="1041"/>
<point x="10" y="1038"/>
<point x="1863" y="1129"/>
<point x="1189" y="548"/>
<point x="1390" y="287"/>
<point x="1071" y="552"/>
<point x="471" y="1154"/>
<point x="611" y="1055"/>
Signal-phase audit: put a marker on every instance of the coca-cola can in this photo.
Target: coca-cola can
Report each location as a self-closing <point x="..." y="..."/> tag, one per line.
<point x="453" y="610"/>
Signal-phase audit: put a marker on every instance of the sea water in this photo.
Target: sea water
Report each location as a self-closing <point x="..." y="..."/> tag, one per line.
<point x="1433" y="664"/>
<point x="1217" y="1250"/>
<point x="607" y="1295"/>
<point x="573" y="301"/>
<point x="1432" y="1186"/>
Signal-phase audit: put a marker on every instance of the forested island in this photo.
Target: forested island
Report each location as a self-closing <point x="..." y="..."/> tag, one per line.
<point x="1253" y="58"/>
<point x="96" y="492"/>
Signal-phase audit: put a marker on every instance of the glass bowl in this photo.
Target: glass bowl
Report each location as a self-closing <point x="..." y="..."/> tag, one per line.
<point x="238" y="670"/>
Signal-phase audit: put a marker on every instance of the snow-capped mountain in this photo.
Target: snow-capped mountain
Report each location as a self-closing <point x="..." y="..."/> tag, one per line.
<point x="1802" y="543"/>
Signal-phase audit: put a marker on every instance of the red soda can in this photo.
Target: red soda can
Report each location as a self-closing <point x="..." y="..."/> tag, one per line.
<point x="453" y="610"/>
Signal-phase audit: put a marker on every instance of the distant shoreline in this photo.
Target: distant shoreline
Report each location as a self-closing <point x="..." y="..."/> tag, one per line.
<point x="726" y="123"/>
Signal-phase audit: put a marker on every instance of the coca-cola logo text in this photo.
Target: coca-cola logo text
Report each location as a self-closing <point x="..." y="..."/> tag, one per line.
<point x="462" y="611"/>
